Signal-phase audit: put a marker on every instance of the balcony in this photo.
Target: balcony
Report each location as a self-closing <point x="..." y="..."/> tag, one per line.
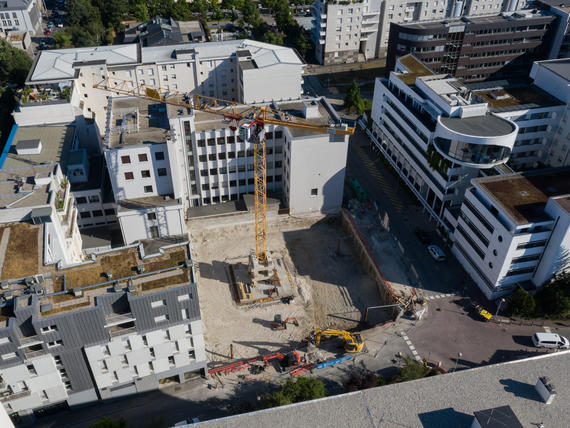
<point x="113" y="319"/>
<point x="7" y="396"/>
<point x="26" y="342"/>
<point x="47" y="95"/>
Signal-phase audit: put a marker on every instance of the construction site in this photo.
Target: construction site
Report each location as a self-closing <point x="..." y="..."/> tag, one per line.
<point x="330" y="285"/>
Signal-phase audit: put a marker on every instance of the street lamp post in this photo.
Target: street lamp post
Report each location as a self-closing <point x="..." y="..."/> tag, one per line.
<point x="459" y="355"/>
<point x="499" y="307"/>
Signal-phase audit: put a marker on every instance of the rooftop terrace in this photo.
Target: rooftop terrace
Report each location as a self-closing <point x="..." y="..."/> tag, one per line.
<point x="56" y="144"/>
<point x="505" y="98"/>
<point x="18" y="187"/>
<point x="67" y="290"/>
<point x="415" y="68"/>
<point x="136" y="121"/>
<point x="523" y="196"/>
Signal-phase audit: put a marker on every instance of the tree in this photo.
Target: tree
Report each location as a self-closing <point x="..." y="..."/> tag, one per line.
<point x="80" y="12"/>
<point x="139" y="10"/>
<point x="353" y="99"/>
<point x="250" y="13"/>
<point x="553" y="299"/>
<point x="109" y="423"/>
<point x="63" y="40"/>
<point x="303" y="389"/>
<point x="522" y="303"/>
<point x="180" y="11"/>
<point x="14" y="64"/>
<point x="367" y="380"/>
<point x="412" y="370"/>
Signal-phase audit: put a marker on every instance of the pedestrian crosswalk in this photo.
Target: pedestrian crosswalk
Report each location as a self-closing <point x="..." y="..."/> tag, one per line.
<point x="440" y="296"/>
<point x="380" y="179"/>
<point x="411" y="346"/>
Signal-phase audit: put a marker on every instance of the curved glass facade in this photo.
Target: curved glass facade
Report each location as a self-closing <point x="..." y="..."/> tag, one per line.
<point x="479" y="154"/>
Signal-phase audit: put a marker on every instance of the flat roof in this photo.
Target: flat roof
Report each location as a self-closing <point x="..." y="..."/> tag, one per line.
<point x="524" y="196"/>
<point x="560" y="67"/>
<point x="56" y="146"/>
<point x="484" y="126"/>
<point x="205" y="121"/>
<point x="168" y="270"/>
<point x="28" y="194"/>
<point x="415" y="68"/>
<point x="443" y="401"/>
<point x="136" y="121"/>
<point x="148" y="202"/>
<point x="506" y="98"/>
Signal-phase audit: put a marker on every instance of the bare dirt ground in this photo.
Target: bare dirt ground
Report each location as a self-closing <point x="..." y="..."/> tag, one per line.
<point x="332" y="290"/>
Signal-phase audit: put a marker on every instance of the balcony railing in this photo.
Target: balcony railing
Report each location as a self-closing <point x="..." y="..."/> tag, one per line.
<point x="117" y="319"/>
<point x="30" y="341"/>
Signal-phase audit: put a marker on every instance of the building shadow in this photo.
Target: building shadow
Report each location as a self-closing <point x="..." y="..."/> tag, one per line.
<point x="445" y="418"/>
<point x="523" y="341"/>
<point x="520" y="389"/>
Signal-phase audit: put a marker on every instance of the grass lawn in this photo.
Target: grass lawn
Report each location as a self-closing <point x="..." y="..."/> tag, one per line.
<point x="172" y="259"/>
<point x="176" y="279"/>
<point x="22" y="252"/>
<point x="122" y="264"/>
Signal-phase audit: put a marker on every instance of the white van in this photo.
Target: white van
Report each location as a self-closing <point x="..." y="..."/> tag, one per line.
<point x="550" y="340"/>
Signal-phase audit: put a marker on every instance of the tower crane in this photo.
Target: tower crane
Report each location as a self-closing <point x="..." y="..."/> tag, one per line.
<point x="250" y="120"/>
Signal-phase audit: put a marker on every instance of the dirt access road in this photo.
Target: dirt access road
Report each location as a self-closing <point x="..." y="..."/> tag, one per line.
<point x="332" y="290"/>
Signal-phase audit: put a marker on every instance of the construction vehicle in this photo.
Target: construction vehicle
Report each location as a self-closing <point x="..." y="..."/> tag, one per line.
<point x="281" y="324"/>
<point x="249" y="120"/>
<point x="353" y="342"/>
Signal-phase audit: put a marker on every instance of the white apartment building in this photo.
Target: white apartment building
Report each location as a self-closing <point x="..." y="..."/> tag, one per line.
<point x="236" y="70"/>
<point x="436" y="135"/>
<point x="515" y="229"/>
<point x="306" y="168"/>
<point x="145" y="165"/>
<point x="42" y="195"/>
<point x="20" y="15"/>
<point x="409" y="108"/>
<point x="347" y="32"/>
<point x="553" y="76"/>
<point x="356" y="31"/>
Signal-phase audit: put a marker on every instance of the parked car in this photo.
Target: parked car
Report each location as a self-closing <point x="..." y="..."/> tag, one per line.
<point x="550" y="340"/>
<point x="47" y="32"/>
<point x="437" y="253"/>
<point x="422" y="236"/>
<point x="50" y="24"/>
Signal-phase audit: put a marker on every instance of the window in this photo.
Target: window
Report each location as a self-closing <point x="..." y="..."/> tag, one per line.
<point x="97" y="213"/>
<point x="129" y="176"/>
<point x="49" y="328"/>
<point x="81" y="200"/>
<point x="4" y="340"/>
<point x="171" y="360"/>
<point x="148" y="189"/>
<point x="314" y="192"/>
<point x="143" y="157"/>
<point x="54" y="343"/>
<point x="125" y="159"/>
<point x="159" y="155"/>
<point x="145" y="173"/>
<point x="185" y="313"/>
<point x="161" y="318"/>
<point x="9" y="356"/>
<point x="151" y="216"/>
<point x="110" y="211"/>
<point x="85" y="214"/>
<point x="183" y="297"/>
<point x="161" y="172"/>
<point x="94" y="198"/>
<point x="32" y="370"/>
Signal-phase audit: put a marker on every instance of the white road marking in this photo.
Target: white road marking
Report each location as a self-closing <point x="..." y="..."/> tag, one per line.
<point x="547" y="329"/>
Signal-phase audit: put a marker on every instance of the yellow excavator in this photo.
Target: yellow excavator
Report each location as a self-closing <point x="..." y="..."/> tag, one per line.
<point x="353" y="342"/>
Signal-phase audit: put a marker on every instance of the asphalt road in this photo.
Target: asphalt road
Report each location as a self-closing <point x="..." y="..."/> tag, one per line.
<point x="452" y="327"/>
<point x="383" y="188"/>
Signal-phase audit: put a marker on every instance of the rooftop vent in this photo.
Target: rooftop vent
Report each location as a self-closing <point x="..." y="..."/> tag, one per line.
<point x="311" y="109"/>
<point x="545" y="389"/>
<point x="499" y="95"/>
<point x="29" y="147"/>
